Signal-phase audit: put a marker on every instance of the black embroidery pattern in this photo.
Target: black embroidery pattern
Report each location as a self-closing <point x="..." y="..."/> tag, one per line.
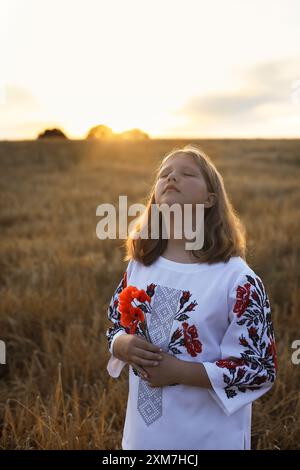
<point x="257" y="364"/>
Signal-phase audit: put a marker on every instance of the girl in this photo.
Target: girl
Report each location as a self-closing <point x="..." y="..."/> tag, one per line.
<point x="212" y="350"/>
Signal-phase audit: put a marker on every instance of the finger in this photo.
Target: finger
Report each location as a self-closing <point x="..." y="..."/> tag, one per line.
<point x="140" y="361"/>
<point x="143" y="344"/>
<point x="140" y="370"/>
<point x="148" y="355"/>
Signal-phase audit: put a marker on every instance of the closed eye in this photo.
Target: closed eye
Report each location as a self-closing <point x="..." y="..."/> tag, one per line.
<point x="185" y="174"/>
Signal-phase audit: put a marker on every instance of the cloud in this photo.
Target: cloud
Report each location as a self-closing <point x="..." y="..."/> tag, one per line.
<point x="264" y="84"/>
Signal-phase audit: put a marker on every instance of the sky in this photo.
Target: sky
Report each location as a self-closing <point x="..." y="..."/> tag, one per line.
<point x="172" y="68"/>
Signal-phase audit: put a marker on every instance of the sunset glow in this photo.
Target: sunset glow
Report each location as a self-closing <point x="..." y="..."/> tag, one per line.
<point x="170" y="68"/>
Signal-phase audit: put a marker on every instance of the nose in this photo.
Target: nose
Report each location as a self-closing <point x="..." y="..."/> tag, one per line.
<point x="171" y="177"/>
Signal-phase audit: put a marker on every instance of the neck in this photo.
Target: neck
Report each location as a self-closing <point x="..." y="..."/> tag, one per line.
<point x="176" y="251"/>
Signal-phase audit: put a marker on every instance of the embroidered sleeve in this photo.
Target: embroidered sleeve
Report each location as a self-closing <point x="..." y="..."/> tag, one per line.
<point x="248" y="364"/>
<point x="115" y="365"/>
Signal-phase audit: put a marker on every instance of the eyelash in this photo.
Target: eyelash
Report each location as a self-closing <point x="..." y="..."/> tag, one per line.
<point x="185" y="174"/>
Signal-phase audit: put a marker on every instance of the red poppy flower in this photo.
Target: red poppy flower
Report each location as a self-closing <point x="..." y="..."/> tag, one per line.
<point x="131" y="314"/>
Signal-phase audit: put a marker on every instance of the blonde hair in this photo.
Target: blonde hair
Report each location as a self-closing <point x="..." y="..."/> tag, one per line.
<point x="224" y="233"/>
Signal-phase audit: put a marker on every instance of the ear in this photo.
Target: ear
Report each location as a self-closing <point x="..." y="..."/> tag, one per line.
<point x="210" y="200"/>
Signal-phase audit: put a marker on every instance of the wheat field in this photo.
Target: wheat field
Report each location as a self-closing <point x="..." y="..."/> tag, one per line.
<point x="57" y="278"/>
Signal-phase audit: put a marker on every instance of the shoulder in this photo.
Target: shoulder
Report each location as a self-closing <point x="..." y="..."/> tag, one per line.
<point x="237" y="263"/>
<point x="246" y="285"/>
<point x="232" y="271"/>
<point x="241" y="277"/>
<point x="237" y="268"/>
<point x="133" y="265"/>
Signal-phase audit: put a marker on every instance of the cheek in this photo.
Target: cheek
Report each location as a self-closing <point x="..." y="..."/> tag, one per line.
<point x="201" y="190"/>
<point x="158" y="190"/>
<point x="195" y="191"/>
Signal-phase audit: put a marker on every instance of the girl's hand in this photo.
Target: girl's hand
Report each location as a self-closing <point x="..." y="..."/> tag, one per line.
<point x="165" y="373"/>
<point x="137" y="352"/>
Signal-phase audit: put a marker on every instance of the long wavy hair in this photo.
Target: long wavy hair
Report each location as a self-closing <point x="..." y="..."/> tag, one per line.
<point x="224" y="233"/>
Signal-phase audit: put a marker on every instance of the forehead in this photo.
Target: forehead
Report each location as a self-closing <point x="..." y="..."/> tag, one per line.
<point x="180" y="160"/>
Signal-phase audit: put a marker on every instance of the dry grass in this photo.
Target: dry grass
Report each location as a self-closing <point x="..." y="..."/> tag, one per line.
<point x="56" y="279"/>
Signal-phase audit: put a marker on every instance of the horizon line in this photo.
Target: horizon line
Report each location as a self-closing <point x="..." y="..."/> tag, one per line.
<point x="151" y="138"/>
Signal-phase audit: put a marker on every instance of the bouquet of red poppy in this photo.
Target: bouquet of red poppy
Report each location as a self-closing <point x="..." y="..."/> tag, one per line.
<point x="132" y="314"/>
<point x="132" y="307"/>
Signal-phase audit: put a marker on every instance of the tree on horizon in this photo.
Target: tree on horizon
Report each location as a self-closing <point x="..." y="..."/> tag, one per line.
<point x="52" y="133"/>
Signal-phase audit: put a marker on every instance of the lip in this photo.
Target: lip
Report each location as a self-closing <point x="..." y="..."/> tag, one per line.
<point x="171" y="188"/>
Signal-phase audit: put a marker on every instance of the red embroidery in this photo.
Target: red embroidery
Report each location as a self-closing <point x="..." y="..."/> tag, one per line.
<point x="192" y="344"/>
<point x="243" y="295"/>
<point x="229" y="363"/>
